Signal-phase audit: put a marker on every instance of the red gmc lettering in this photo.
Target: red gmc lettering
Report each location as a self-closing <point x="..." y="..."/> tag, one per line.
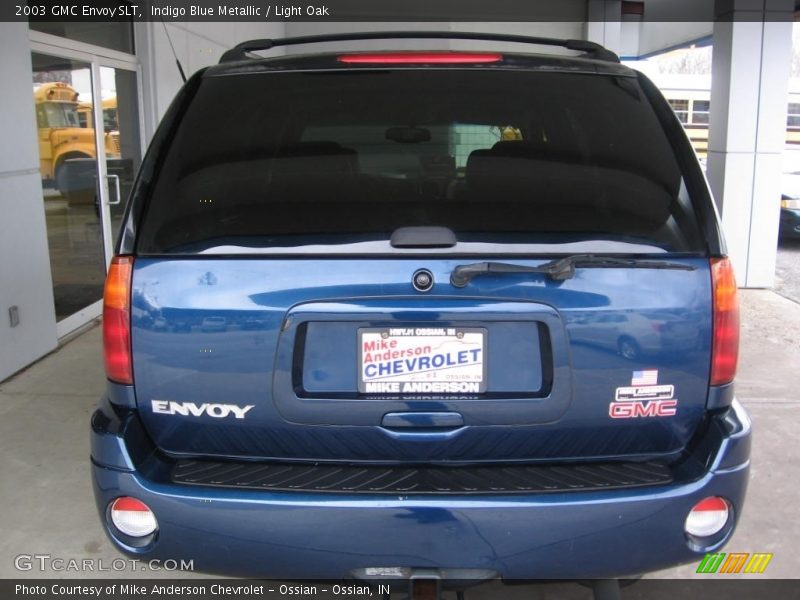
<point x="652" y="408"/>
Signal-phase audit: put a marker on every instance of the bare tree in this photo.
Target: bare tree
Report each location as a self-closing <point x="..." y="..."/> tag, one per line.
<point x="689" y="61"/>
<point x="795" y="51"/>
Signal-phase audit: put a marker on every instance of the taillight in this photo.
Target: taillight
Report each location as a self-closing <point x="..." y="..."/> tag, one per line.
<point x="133" y="517"/>
<point x="117" y="320"/>
<point x="725" y="345"/>
<point x="395" y="58"/>
<point x="707" y="517"/>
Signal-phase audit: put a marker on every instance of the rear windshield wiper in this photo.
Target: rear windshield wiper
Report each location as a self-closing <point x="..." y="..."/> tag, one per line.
<point x="559" y="269"/>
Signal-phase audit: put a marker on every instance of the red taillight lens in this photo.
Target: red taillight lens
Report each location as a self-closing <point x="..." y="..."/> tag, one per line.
<point x="396" y="58"/>
<point x="117" y="320"/>
<point x="707" y="517"/>
<point x="725" y="347"/>
<point x="133" y="517"/>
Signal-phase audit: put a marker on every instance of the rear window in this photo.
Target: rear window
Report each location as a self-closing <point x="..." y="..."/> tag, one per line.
<point x="337" y="161"/>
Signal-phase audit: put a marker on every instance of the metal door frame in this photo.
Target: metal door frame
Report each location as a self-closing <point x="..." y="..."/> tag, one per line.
<point x="96" y="57"/>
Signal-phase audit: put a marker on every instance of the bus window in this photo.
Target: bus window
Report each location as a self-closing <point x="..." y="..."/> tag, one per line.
<point x="681" y="108"/>
<point x="700" y="110"/>
<point x="60" y="114"/>
<point x="793" y="116"/>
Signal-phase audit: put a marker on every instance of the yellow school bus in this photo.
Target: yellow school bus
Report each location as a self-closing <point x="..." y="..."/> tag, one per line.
<point x="692" y="108"/>
<point x="61" y="136"/>
<point x="109" y="114"/>
<point x="110" y="121"/>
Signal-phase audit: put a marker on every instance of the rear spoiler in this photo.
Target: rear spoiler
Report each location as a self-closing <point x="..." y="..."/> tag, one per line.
<point x="590" y="49"/>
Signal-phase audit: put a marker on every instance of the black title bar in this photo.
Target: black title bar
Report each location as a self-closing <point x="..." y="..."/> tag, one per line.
<point x="372" y="10"/>
<point x="707" y="588"/>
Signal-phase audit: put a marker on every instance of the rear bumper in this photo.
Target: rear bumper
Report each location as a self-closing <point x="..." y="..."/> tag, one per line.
<point x="287" y="535"/>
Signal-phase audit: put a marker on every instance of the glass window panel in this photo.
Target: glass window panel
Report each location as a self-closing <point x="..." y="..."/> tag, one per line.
<point x="116" y="35"/>
<point x="67" y="155"/>
<point x="121" y="135"/>
<point x="300" y="159"/>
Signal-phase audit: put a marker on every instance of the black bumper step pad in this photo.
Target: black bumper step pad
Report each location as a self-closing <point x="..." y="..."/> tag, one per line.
<point x="355" y="479"/>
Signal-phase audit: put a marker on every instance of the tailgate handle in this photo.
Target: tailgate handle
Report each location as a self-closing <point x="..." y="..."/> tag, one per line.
<point x="422" y="420"/>
<point x="423" y="237"/>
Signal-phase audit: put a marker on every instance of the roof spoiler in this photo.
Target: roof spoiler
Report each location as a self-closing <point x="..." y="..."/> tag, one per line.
<point x="590" y="49"/>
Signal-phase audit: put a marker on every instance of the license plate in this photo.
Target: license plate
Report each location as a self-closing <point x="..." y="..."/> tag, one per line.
<point x="422" y="360"/>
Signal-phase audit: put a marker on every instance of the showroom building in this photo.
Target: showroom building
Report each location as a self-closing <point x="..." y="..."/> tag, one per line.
<point x="83" y="99"/>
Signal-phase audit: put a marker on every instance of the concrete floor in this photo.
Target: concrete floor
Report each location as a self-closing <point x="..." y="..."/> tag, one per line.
<point x="48" y="506"/>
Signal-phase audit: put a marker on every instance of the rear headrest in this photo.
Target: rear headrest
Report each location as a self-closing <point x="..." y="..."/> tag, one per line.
<point x="318" y="158"/>
<point x="549" y="150"/>
<point x="313" y="149"/>
<point x="510" y="174"/>
<point x="481" y="168"/>
<point x="517" y="147"/>
<point x="328" y="154"/>
<point x="486" y="167"/>
<point x="513" y="158"/>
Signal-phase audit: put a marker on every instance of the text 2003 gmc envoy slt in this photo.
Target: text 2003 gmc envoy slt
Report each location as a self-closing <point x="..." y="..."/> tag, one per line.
<point x="466" y="312"/>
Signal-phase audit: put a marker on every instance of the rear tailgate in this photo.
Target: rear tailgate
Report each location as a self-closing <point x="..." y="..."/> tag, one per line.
<point x="559" y="379"/>
<point x="273" y="309"/>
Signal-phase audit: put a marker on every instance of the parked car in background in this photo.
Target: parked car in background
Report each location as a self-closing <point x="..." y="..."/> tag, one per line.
<point x="790" y="217"/>
<point x="433" y="261"/>
<point x="637" y="335"/>
<point x="790" y="206"/>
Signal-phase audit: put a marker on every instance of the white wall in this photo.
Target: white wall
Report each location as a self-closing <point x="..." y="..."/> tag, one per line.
<point x="750" y="81"/>
<point x="25" y="279"/>
<point x="604" y="26"/>
<point x="693" y="20"/>
<point x="654" y="37"/>
<point x="24" y="261"/>
<point x="197" y="45"/>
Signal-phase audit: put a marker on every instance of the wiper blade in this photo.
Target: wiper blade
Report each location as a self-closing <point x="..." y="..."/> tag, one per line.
<point x="463" y="274"/>
<point x="564" y="268"/>
<point x="559" y="269"/>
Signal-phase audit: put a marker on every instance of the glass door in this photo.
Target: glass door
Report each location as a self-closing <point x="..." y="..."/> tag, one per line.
<point x="63" y="96"/>
<point x="87" y="114"/>
<point x="122" y="145"/>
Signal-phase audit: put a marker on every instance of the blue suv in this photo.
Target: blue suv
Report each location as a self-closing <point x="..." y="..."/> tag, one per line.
<point x="461" y="314"/>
